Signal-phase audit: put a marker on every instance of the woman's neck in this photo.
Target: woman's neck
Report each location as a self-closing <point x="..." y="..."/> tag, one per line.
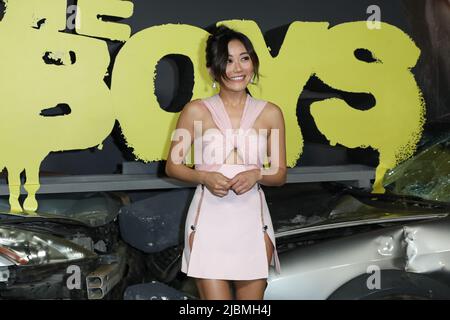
<point x="232" y="98"/>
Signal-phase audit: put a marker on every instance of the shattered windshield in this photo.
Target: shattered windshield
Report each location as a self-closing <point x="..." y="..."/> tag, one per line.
<point x="425" y="175"/>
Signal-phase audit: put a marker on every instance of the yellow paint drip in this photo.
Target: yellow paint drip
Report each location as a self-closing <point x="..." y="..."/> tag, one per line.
<point x="30" y="85"/>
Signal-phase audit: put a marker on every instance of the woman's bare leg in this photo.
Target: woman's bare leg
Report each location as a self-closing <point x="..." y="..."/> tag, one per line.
<point x="250" y="289"/>
<point x="269" y="247"/>
<point x="212" y="289"/>
<point x="254" y="289"/>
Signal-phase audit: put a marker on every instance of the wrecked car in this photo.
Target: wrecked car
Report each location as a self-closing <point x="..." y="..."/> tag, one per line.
<point x="70" y="250"/>
<point x="369" y="246"/>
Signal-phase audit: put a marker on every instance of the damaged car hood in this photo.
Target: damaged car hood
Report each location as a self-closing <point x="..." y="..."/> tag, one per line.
<point x="354" y="208"/>
<point x="88" y="209"/>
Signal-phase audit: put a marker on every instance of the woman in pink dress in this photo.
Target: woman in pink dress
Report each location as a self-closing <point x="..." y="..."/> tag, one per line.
<point x="229" y="237"/>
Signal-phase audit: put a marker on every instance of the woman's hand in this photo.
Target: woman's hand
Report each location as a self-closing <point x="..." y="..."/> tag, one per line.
<point x="217" y="183"/>
<point x="245" y="180"/>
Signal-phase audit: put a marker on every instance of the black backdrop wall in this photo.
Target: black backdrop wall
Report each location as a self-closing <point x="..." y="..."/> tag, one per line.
<point x="426" y="21"/>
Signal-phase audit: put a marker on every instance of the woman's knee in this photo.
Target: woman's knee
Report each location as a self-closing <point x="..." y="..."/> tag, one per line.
<point x="212" y="289"/>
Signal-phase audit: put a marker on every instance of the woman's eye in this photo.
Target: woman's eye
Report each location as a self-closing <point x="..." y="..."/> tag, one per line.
<point x="246" y="58"/>
<point x="230" y="61"/>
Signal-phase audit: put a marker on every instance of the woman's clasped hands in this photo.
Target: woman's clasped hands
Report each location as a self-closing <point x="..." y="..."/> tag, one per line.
<point x="219" y="185"/>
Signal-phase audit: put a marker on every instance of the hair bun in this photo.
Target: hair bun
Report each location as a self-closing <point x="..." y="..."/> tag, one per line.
<point x="220" y="31"/>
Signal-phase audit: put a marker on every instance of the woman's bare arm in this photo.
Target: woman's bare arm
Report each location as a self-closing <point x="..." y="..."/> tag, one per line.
<point x="276" y="174"/>
<point x="175" y="168"/>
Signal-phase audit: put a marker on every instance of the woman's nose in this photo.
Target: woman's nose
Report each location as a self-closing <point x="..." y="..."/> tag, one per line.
<point x="237" y="67"/>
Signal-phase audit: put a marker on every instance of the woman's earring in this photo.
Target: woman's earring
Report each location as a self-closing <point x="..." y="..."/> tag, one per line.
<point x="214" y="85"/>
<point x="252" y="80"/>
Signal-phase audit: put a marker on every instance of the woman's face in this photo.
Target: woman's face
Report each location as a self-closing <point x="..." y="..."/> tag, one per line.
<point x="239" y="67"/>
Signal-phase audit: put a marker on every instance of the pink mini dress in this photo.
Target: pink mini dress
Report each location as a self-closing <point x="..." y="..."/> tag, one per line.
<point x="229" y="231"/>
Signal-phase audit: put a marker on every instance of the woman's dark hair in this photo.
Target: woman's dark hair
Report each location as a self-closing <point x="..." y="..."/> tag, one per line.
<point x="217" y="51"/>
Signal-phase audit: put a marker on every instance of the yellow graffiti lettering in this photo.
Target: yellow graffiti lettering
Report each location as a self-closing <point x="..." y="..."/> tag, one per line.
<point x="394" y="125"/>
<point x="49" y="14"/>
<point x="147" y="127"/>
<point x="289" y="71"/>
<point x="38" y="74"/>
<point x="92" y="25"/>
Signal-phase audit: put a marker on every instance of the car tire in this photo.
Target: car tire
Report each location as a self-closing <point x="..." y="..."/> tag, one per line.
<point x="395" y="285"/>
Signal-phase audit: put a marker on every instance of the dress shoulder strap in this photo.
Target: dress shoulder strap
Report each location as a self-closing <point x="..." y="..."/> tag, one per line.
<point x="254" y="109"/>
<point x="217" y="113"/>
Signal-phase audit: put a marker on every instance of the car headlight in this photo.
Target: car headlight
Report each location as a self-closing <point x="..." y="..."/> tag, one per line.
<point x="30" y="248"/>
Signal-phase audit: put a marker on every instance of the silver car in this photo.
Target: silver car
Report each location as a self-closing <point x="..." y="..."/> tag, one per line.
<point x="374" y="246"/>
